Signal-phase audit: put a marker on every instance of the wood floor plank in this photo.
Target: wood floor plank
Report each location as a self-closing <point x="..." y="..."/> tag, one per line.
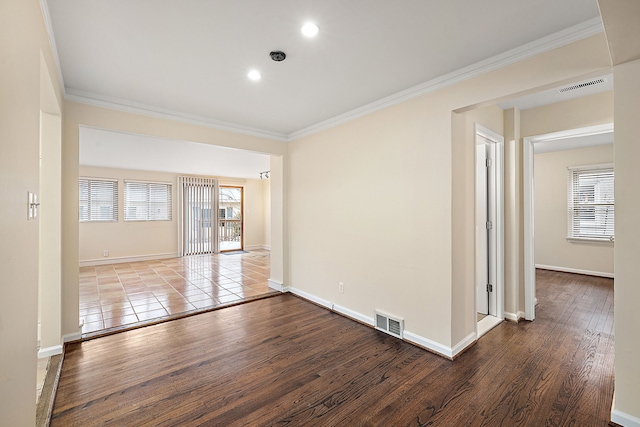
<point x="283" y="360"/>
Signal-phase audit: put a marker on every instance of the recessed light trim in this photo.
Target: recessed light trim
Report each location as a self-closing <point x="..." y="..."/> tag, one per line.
<point x="310" y="29"/>
<point x="254" y="75"/>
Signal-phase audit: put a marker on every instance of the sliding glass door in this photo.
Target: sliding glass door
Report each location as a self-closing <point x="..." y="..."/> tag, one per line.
<point x="230" y="225"/>
<point x="210" y="216"/>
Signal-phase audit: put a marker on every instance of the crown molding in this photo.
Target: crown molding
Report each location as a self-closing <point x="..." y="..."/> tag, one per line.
<point x="52" y="41"/>
<point x="529" y="50"/>
<point x="545" y="44"/>
<point x="97" y="100"/>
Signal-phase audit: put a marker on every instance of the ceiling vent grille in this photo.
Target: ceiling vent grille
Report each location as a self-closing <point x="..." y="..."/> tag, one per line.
<point x="583" y="85"/>
<point x="389" y="324"/>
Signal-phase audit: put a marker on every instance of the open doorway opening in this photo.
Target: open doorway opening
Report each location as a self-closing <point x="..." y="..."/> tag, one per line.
<point x="564" y="140"/>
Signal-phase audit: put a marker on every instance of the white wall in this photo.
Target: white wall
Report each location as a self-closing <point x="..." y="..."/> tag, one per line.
<point x="552" y="250"/>
<point x="128" y="240"/>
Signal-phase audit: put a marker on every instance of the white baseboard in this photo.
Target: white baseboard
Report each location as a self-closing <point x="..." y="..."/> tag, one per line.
<point x="408" y="336"/>
<point x="312" y="298"/>
<point x="623" y="419"/>
<point x="514" y="317"/>
<point x="354" y="315"/>
<point x="274" y="284"/>
<point x="72" y="337"/>
<point x="120" y="260"/>
<point x="466" y="342"/>
<point x="431" y="345"/>
<point x="49" y="351"/>
<point x="575" y="270"/>
<point x="257" y="248"/>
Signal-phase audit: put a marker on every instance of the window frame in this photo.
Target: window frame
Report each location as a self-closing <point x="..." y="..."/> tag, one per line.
<point x="90" y="200"/>
<point x="574" y="173"/>
<point x="127" y="204"/>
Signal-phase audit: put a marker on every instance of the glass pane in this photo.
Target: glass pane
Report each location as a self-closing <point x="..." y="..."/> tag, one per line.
<point x="230" y="219"/>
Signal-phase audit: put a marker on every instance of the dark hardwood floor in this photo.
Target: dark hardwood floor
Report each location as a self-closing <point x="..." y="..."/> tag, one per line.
<point x="285" y="361"/>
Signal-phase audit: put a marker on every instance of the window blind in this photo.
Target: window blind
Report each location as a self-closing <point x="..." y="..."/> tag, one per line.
<point x="591" y="202"/>
<point x="98" y="199"/>
<point x="147" y="201"/>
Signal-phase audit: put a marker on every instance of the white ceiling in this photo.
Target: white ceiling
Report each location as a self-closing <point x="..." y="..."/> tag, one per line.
<point x="190" y="58"/>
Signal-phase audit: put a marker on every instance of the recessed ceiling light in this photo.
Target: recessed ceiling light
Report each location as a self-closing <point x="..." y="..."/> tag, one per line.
<point x="310" y="29"/>
<point x="254" y="75"/>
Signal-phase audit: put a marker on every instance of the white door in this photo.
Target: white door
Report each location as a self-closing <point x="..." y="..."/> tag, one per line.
<point x="482" y="241"/>
<point x="488" y="213"/>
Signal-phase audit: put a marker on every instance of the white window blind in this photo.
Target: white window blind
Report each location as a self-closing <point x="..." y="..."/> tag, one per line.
<point x="98" y="199"/>
<point x="147" y="201"/>
<point x="591" y="202"/>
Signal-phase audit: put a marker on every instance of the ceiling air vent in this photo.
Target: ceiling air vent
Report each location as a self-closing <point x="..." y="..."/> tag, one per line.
<point x="388" y="324"/>
<point x="582" y="85"/>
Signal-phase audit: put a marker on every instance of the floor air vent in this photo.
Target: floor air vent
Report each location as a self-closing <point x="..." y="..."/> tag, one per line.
<point x="583" y="84"/>
<point x="388" y="324"/>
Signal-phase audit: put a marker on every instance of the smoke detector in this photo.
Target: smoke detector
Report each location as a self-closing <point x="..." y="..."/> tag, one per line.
<point x="278" y="55"/>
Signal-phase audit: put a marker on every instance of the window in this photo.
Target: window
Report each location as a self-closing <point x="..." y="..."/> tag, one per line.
<point x="98" y="199"/>
<point x="147" y="201"/>
<point x="591" y="202"/>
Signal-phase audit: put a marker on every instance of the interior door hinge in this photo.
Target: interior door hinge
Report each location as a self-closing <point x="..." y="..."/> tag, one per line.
<point x="489" y="225"/>
<point x="488" y="162"/>
<point x="489" y="287"/>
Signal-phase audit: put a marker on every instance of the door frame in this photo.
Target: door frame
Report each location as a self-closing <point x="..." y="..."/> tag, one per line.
<point x="498" y="140"/>
<point x="528" y="182"/>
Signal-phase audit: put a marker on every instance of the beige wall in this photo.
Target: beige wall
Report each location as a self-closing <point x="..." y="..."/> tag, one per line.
<point x="128" y="239"/>
<point x="627" y="250"/>
<point x="514" y="301"/>
<point x="346" y="185"/>
<point x="551" y="246"/>
<point x="266" y="210"/>
<point x="22" y="41"/>
<point x="254" y="213"/>
<point x="573" y="114"/>
<point x="136" y="239"/>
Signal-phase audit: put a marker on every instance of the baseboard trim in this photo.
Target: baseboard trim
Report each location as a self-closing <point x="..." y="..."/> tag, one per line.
<point x="353" y="315"/>
<point x="274" y="284"/>
<point x="49" y="351"/>
<point x="319" y="301"/>
<point x="408" y="336"/>
<point x="514" y="317"/>
<point x="121" y="260"/>
<point x="623" y="419"/>
<point x="429" y="345"/>
<point x="72" y="337"/>
<point x="575" y="270"/>
<point x="257" y="248"/>
<point x="466" y="342"/>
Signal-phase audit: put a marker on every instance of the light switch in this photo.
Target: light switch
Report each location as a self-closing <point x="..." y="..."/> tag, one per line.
<point x="32" y="205"/>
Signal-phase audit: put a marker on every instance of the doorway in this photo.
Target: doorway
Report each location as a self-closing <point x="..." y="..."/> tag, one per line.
<point x="529" y="202"/>
<point x="489" y="279"/>
<point x="230" y="218"/>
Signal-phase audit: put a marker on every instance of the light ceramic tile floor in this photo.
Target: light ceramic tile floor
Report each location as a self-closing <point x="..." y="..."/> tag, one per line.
<point x="117" y="295"/>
